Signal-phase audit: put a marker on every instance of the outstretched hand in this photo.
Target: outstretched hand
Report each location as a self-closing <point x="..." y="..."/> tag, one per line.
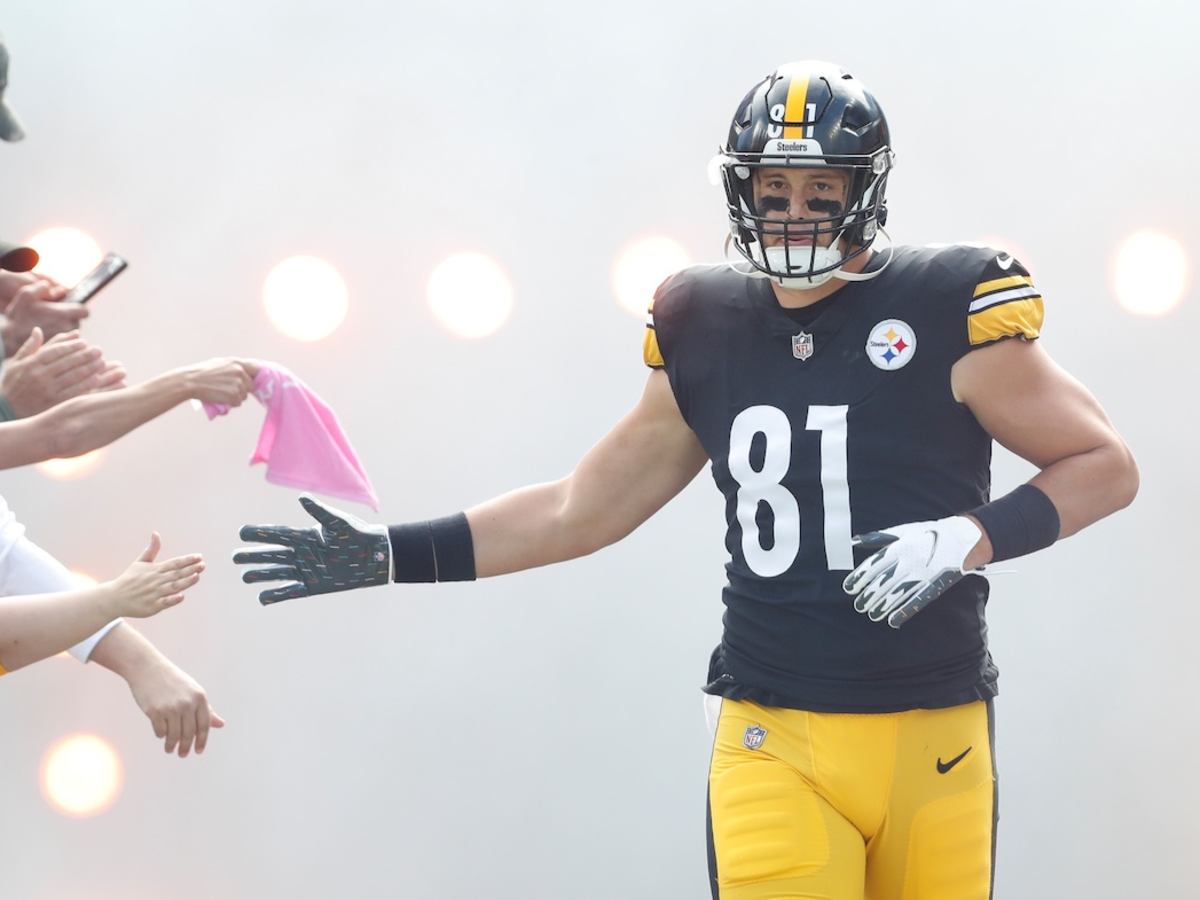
<point x="44" y="373"/>
<point x="341" y="553"/>
<point x="148" y="587"/>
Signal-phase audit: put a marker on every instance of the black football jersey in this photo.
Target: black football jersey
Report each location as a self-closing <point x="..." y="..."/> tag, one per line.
<point x="823" y="430"/>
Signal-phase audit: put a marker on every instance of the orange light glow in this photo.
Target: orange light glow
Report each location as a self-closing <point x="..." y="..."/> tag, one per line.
<point x="470" y="295"/>
<point x="74" y="467"/>
<point x="641" y="266"/>
<point x="65" y="254"/>
<point x="305" y="298"/>
<point x="1150" y="274"/>
<point x="81" y="776"/>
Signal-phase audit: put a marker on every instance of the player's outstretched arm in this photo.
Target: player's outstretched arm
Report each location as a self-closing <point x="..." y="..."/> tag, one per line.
<point x="644" y="461"/>
<point x="85" y="423"/>
<point x="648" y="457"/>
<point x="35" y="626"/>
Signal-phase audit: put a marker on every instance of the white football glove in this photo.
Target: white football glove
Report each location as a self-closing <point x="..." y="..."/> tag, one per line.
<point x="918" y="562"/>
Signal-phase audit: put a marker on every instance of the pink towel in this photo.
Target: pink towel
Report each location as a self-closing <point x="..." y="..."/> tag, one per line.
<point x="301" y="441"/>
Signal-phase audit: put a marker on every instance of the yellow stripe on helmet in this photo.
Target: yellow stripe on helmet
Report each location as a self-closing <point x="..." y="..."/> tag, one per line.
<point x="796" y="107"/>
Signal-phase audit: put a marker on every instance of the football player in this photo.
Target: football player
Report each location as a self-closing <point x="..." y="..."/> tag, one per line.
<point x="847" y="399"/>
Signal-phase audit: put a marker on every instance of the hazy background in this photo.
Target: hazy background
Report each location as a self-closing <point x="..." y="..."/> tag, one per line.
<point x="541" y="735"/>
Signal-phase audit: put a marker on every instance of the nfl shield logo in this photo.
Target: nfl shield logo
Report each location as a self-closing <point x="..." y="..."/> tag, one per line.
<point x="755" y="735"/>
<point x="802" y="345"/>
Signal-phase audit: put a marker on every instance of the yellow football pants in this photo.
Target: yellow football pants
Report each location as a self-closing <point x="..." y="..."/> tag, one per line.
<point x="835" y="806"/>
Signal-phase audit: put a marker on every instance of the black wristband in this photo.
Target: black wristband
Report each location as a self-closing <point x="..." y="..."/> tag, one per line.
<point x="435" y="550"/>
<point x="412" y="553"/>
<point x="1019" y="523"/>
<point x="453" y="548"/>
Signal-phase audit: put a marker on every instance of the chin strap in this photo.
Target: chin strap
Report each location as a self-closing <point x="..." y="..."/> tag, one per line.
<point x="807" y="282"/>
<point x="867" y="276"/>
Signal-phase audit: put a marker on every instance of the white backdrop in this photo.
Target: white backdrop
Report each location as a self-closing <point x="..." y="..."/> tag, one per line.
<point x="541" y="735"/>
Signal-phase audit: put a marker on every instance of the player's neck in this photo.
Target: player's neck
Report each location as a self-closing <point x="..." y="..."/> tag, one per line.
<point x="790" y="298"/>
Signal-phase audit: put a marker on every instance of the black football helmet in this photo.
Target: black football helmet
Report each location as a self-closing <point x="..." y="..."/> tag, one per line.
<point x="814" y="114"/>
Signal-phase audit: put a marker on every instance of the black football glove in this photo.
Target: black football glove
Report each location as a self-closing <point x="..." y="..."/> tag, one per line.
<point x="341" y="554"/>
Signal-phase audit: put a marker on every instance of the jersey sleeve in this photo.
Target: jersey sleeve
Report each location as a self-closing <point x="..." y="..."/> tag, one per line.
<point x="651" y="351"/>
<point x="1005" y="303"/>
<point x="651" y="354"/>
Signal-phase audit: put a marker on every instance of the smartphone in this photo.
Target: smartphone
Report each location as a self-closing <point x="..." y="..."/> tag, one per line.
<point x="90" y="284"/>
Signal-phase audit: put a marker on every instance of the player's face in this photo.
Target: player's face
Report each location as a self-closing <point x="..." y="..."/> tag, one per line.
<point x="800" y="194"/>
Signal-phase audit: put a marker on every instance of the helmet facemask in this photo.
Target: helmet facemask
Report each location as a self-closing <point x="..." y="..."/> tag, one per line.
<point x="841" y="234"/>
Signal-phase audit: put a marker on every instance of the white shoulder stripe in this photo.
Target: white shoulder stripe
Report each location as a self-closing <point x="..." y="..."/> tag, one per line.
<point x="1002" y="297"/>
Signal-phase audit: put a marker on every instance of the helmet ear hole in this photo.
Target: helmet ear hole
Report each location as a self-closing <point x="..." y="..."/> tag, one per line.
<point x="855" y="118"/>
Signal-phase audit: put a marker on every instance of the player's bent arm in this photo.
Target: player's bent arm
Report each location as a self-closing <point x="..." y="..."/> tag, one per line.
<point x="645" y="460"/>
<point x="1034" y="408"/>
<point x="1024" y="400"/>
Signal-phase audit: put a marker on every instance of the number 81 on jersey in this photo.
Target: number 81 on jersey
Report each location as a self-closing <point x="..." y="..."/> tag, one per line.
<point x="765" y="486"/>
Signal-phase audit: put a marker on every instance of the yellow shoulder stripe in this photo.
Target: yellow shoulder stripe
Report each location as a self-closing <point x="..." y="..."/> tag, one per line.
<point x="999" y="284"/>
<point x="3" y="671"/>
<point x="650" y="352"/>
<point x="1020" y="317"/>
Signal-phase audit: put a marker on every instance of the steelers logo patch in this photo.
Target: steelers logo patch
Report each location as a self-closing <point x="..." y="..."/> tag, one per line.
<point x="892" y="345"/>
